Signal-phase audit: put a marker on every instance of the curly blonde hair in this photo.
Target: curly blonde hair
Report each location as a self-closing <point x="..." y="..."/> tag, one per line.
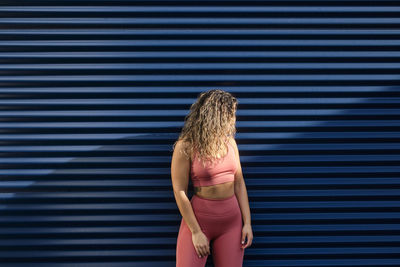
<point x="208" y="125"/>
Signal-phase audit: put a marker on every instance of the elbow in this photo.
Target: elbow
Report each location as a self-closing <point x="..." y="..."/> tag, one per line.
<point x="238" y="185"/>
<point x="239" y="180"/>
<point x="180" y="193"/>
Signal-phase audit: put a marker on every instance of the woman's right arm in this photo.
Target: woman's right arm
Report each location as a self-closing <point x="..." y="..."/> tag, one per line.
<point x="180" y="168"/>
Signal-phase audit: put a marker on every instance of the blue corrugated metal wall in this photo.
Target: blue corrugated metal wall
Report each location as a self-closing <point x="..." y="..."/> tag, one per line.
<point x="93" y="95"/>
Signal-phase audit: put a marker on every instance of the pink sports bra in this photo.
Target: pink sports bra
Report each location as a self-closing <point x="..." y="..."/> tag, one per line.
<point x="218" y="172"/>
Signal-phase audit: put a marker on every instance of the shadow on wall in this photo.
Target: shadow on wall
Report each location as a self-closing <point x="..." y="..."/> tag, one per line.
<point x="58" y="218"/>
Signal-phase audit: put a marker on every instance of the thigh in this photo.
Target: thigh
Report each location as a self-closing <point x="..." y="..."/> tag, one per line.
<point x="227" y="250"/>
<point x="186" y="255"/>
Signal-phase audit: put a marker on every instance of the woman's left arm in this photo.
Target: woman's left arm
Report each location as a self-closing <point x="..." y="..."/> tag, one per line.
<point x="241" y="194"/>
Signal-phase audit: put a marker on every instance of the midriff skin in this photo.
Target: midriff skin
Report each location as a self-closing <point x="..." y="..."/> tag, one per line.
<point x="218" y="191"/>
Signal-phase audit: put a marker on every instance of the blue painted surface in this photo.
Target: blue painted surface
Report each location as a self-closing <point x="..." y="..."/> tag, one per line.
<point x="94" y="93"/>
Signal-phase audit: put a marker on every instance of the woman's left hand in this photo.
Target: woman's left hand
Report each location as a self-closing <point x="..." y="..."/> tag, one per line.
<point x="247" y="231"/>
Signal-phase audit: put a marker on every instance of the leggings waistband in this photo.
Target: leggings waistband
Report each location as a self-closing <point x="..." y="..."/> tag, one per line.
<point x="210" y="199"/>
<point x="215" y="207"/>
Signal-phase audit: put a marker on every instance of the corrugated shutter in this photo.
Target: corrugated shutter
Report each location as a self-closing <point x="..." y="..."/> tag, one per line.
<point x="93" y="95"/>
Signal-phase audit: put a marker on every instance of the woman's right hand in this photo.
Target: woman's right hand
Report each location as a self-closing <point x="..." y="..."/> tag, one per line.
<point x="201" y="244"/>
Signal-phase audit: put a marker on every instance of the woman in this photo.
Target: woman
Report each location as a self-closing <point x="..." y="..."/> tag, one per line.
<point x="217" y="217"/>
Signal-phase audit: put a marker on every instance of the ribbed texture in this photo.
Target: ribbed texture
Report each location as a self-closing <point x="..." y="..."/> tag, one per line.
<point x="94" y="93"/>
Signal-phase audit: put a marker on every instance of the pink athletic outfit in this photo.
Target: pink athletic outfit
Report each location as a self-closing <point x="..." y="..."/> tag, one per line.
<point x="219" y="219"/>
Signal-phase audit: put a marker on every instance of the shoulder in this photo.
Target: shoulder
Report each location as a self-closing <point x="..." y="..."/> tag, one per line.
<point x="181" y="146"/>
<point x="232" y="141"/>
<point x="235" y="148"/>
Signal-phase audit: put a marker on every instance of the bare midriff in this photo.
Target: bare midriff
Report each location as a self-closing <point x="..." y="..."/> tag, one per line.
<point x="218" y="191"/>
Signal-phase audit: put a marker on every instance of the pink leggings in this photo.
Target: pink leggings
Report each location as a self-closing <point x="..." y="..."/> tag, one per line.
<point x="221" y="222"/>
